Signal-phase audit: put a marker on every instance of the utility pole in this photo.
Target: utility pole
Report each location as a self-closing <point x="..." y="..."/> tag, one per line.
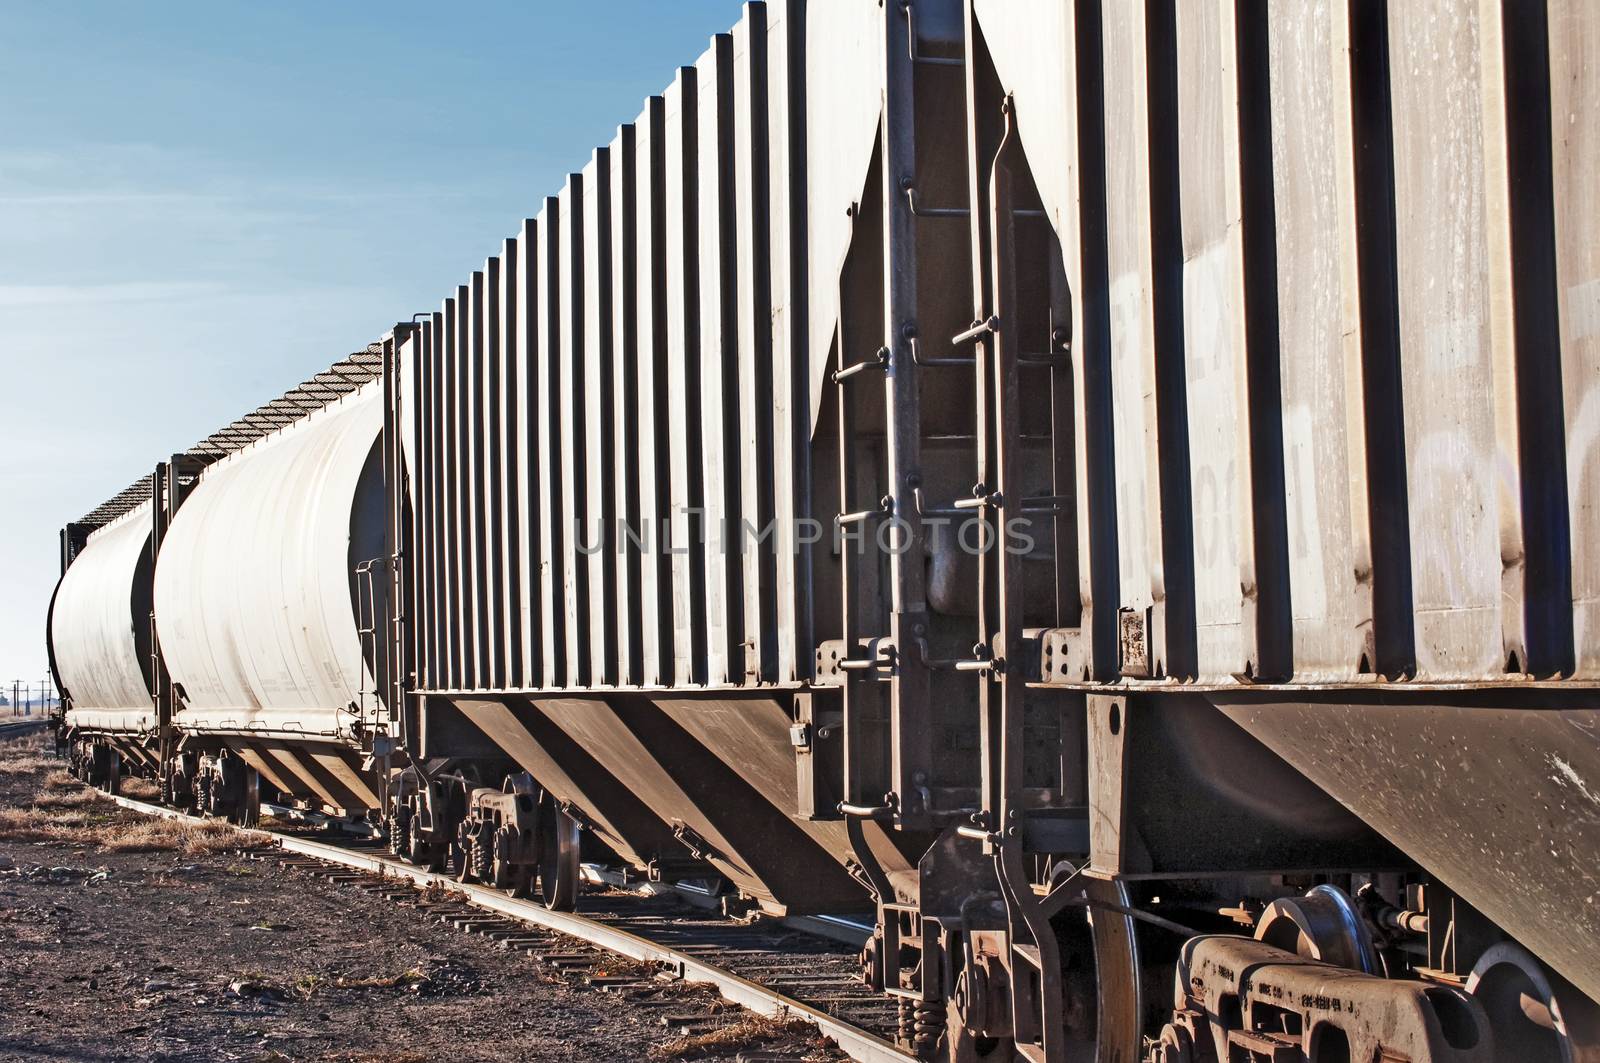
<point x="16" y="684"/>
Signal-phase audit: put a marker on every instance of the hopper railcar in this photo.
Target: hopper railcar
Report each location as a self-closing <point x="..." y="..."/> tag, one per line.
<point x="1107" y="489"/>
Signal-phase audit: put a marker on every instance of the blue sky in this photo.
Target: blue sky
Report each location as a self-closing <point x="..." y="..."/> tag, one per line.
<point x="202" y="204"/>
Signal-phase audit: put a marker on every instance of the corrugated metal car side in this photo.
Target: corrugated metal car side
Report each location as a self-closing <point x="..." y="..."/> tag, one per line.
<point x="573" y="498"/>
<point x="683" y="383"/>
<point x="546" y="361"/>
<point x="459" y="480"/>
<point x="650" y="399"/>
<point x="622" y="401"/>
<point x="487" y="354"/>
<point x="511" y="452"/>
<point x="1335" y="334"/>
<point x="628" y="428"/>
<point x="718" y="355"/>
<point x="521" y="303"/>
<point x="790" y="372"/>
<point x="756" y="653"/>
<point x="600" y="469"/>
<point x="1573" y="74"/>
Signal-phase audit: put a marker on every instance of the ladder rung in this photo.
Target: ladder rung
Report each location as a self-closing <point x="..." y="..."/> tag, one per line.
<point x="859" y="517"/>
<point x="951" y="664"/>
<point x="883" y="811"/>
<point x="930" y="212"/>
<point x="880" y="360"/>
<point x="978" y="330"/>
<point x="911" y="41"/>
<point x="965" y="361"/>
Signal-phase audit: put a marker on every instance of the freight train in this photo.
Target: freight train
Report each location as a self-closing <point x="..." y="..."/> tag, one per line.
<point x="1111" y="489"/>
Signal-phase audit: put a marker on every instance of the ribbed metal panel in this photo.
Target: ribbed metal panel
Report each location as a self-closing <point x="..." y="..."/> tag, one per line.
<point x="1345" y="379"/>
<point x="1312" y="302"/>
<point x="610" y="417"/>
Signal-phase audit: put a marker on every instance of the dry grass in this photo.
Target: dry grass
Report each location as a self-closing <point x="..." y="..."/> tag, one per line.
<point x="40" y="825"/>
<point x="66" y="811"/>
<point x="411" y="977"/>
<point x="26" y="760"/>
<point x="79" y="798"/>
<point x="173" y="835"/>
<point x="749" y="1031"/>
<point x="140" y="789"/>
<point x="60" y="779"/>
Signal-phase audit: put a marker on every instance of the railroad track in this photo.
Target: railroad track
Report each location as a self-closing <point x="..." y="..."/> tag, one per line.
<point x="10" y="729"/>
<point x="772" y="969"/>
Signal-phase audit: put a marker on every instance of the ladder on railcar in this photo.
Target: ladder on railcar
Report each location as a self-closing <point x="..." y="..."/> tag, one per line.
<point x="990" y="350"/>
<point x="889" y="535"/>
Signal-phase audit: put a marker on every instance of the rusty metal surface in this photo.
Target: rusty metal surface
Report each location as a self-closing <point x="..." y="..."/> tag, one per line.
<point x="1232" y="994"/>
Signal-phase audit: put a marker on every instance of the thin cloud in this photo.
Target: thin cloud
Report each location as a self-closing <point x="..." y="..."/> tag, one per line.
<point x="124" y="175"/>
<point x="264" y="193"/>
<point x="106" y="198"/>
<point x="16" y="295"/>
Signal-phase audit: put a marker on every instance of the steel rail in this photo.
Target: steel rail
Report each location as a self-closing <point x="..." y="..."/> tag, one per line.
<point x="857" y="1043"/>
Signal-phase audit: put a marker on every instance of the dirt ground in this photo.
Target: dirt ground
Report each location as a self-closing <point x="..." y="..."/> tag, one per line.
<point x="123" y="937"/>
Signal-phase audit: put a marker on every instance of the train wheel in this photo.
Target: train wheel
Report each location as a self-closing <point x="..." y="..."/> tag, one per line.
<point x="558" y="857"/>
<point x="501" y="873"/>
<point x="101" y="767"/>
<point x="418" y="851"/>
